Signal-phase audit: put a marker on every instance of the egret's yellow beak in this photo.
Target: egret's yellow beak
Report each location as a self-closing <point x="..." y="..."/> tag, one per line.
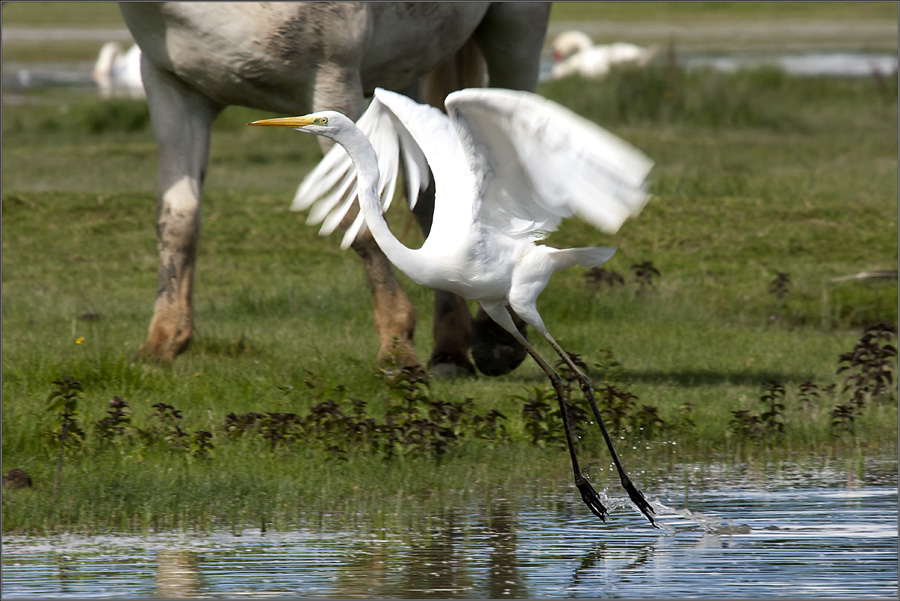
<point x="293" y="122"/>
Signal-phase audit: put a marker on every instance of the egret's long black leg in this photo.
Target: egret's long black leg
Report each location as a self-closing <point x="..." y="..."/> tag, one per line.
<point x="636" y="496"/>
<point x="588" y="494"/>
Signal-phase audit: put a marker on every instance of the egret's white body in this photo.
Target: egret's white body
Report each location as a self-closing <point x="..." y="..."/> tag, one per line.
<point x="118" y="73"/>
<point x="508" y="167"/>
<point x="575" y="53"/>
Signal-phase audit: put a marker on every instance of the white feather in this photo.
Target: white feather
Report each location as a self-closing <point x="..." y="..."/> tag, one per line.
<point x="329" y="191"/>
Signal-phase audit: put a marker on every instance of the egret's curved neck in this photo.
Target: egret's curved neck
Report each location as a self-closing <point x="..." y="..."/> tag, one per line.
<point x="367" y="174"/>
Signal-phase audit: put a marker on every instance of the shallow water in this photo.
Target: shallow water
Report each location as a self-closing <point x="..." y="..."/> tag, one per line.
<point x="22" y="77"/>
<point x="800" y="534"/>
<point x="834" y="64"/>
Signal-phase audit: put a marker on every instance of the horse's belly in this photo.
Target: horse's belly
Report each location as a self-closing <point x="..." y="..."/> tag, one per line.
<point x="271" y="55"/>
<point x="409" y="39"/>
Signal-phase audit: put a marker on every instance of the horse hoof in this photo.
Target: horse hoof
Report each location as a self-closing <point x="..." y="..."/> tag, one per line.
<point x="450" y="371"/>
<point x="495" y="352"/>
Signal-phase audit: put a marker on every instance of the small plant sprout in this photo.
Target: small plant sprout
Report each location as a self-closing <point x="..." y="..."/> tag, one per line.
<point x="773" y="416"/>
<point x="201" y="445"/>
<point x="644" y="273"/>
<point x="64" y="401"/>
<point x="755" y="426"/>
<point x="809" y="391"/>
<point x="842" y="418"/>
<point x="167" y="426"/>
<point x="871" y="365"/>
<point x="116" y="423"/>
<point x="598" y="277"/>
<point x="780" y="286"/>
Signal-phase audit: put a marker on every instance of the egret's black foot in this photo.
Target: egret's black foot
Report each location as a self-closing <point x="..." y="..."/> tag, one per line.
<point x="591" y="499"/>
<point x="637" y="497"/>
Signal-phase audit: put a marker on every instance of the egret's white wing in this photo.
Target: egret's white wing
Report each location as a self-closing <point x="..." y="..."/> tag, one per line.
<point x="540" y="162"/>
<point x="330" y="190"/>
<point x="434" y="135"/>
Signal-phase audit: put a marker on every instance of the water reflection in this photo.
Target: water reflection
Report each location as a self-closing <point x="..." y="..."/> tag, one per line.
<point x="504" y="579"/>
<point x="177" y="574"/>
<point x="440" y="570"/>
<point x="796" y="533"/>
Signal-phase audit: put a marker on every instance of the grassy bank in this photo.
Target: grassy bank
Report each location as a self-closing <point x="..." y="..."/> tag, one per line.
<point x="757" y="175"/>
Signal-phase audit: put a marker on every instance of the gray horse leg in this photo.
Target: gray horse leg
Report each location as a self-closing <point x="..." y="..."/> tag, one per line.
<point x="181" y="122"/>
<point x="510" y="38"/>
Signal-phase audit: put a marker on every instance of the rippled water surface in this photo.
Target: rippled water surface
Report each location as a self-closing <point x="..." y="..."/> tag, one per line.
<point x="799" y="535"/>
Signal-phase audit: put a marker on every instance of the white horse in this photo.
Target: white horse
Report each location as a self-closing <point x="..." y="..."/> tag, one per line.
<point x="295" y="58"/>
<point x="575" y="52"/>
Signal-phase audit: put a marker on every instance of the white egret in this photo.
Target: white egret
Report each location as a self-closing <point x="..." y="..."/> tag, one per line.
<point x="508" y="167"/>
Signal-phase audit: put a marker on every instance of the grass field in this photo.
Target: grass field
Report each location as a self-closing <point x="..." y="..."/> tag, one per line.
<point x="100" y="14"/>
<point x="757" y="173"/>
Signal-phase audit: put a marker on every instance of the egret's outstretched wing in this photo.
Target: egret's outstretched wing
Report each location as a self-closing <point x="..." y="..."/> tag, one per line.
<point x="329" y="190"/>
<point x="538" y="163"/>
<point x="439" y="142"/>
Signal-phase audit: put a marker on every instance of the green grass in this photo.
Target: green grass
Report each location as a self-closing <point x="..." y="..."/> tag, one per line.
<point x="713" y="12"/>
<point x="61" y="14"/>
<point x="756" y="173"/>
<point x="106" y="14"/>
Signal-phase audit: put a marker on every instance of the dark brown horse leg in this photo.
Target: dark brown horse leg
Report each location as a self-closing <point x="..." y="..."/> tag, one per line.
<point x="452" y="328"/>
<point x="494" y="350"/>
<point x="452" y="331"/>
<point x="181" y="122"/>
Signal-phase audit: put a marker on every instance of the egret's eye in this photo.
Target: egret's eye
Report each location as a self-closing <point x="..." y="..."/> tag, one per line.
<point x="322" y="121"/>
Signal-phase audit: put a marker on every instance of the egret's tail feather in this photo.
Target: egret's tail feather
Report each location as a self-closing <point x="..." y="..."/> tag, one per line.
<point x="586" y="257"/>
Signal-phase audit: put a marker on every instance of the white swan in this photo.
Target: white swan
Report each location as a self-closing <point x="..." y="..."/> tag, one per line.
<point x="118" y="73"/>
<point x="574" y="52"/>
